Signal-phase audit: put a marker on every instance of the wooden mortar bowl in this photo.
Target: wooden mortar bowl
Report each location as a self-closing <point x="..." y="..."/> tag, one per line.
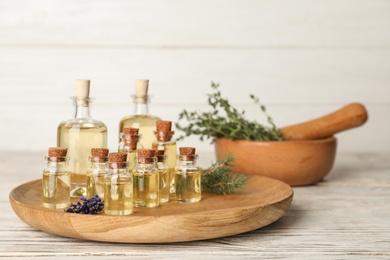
<point x="293" y="162"/>
<point x="305" y="157"/>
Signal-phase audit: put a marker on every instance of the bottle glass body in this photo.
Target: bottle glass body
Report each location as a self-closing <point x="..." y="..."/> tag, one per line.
<point x="79" y="135"/>
<point x="118" y="190"/>
<point x="95" y="177"/>
<point x="188" y="180"/>
<point x="163" y="175"/>
<point x="56" y="183"/>
<point x="146" y="183"/>
<point x="142" y="120"/>
<point x="170" y="151"/>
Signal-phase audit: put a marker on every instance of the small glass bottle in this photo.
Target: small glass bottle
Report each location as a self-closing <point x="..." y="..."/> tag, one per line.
<point x="118" y="186"/>
<point x="163" y="175"/>
<point x="56" y="179"/>
<point x="130" y="142"/>
<point x="164" y="141"/>
<point x="146" y="181"/>
<point x="96" y="172"/>
<point x="188" y="176"/>
<point x="141" y="119"/>
<point x="80" y="134"/>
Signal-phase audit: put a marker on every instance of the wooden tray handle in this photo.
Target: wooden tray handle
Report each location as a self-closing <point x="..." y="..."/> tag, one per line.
<point x="350" y="116"/>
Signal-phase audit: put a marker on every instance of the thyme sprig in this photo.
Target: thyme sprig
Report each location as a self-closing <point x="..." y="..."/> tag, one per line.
<point x="231" y="124"/>
<point x="219" y="178"/>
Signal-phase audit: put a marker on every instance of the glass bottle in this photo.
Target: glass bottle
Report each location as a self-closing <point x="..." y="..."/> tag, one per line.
<point x="130" y="142"/>
<point x="146" y="181"/>
<point x="96" y="172"/>
<point x="80" y="134"/>
<point x="163" y="175"/>
<point x="118" y="186"/>
<point x="188" y="176"/>
<point x="163" y="141"/>
<point x="142" y="120"/>
<point x="56" y="179"/>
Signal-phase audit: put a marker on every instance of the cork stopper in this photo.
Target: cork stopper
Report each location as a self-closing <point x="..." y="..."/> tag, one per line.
<point x="163" y="131"/>
<point x="141" y="91"/>
<point x="117" y="160"/>
<point x="56" y="154"/>
<point x="99" y="154"/>
<point x="187" y="151"/>
<point x="131" y="137"/>
<point x="82" y="91"/>
<point x="160" y="155"/>
<point x="130" y="131"/>
<point x="145" y="155"/>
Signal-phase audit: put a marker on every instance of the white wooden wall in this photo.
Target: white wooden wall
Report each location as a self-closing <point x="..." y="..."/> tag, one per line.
<point x="303" y="58"/>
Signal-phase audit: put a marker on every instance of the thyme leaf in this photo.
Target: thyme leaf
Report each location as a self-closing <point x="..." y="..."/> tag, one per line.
<point x="225" y="121"/>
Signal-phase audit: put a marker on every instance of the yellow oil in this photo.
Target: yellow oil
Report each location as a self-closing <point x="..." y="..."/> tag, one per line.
<point x="118" y="196"/>
<point x="55" y="190"/>
<point x="164" y="193"/>
<point x="170" y="151"/>
<point x="95" y="184"/>
<point x="146" y="189"/>
<point x="79" y="138"/>
<point x="146" y="125"/>
<point x="130" y="158"/>
<point x="188" y="186"/>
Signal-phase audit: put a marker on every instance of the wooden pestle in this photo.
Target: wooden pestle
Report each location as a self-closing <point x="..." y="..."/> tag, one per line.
<point x="350" y="116"/>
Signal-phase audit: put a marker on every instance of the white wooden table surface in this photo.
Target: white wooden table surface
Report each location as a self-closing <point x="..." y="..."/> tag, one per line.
<point x="347" y="216"/>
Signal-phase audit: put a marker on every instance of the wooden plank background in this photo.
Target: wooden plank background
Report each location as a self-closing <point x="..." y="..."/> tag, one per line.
<point x="302" y="58"/>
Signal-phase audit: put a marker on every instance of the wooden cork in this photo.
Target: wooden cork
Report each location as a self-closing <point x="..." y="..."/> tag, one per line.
<point x="145" y="155"/>
<point x="160" y="155"/>
<point x="187" y="151"/>
<point x="99" y="154"/>
<point x="82" y="91"/>
<point x="141" y="91"/>
<point x="117" y="160"/>
<point x="57" y="154"/>
<point x="163" y="131"/>
<point x="117" y="157"/>
<point x="130" y="131"/>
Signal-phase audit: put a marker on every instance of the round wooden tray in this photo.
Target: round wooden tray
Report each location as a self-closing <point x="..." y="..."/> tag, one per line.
<point x="263" y="201"/>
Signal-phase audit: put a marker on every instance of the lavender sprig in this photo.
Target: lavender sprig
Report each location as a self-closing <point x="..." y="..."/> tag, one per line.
<point x="88" y="206"/>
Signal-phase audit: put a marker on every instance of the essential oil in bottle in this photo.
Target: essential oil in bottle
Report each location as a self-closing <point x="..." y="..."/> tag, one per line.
<point x="80" y="134"/>
<point x="146" y="180"/>
<point x="96" y="172"/>
<point x="56" y="179"/>
<point x="164" y="141"/>
<point x="130" y="142"/>
<point x="118" y="186"/>
<point x="163" y="175"/>
<point x="188" y="176"/>
<point x="145" y="122"/>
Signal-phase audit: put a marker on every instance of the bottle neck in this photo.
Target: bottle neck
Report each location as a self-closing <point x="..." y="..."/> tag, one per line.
<point x="82" y="107"/>
<point x="141" y="105"/>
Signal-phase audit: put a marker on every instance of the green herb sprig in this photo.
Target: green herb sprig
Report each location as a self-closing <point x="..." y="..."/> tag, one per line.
<point x="219" y="178"/>
<point x="231" y="124"/>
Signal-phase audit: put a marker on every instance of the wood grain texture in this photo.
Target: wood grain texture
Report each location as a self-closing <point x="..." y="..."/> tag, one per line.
<point x="263" y="201"/>
<point x="343" y="217"/>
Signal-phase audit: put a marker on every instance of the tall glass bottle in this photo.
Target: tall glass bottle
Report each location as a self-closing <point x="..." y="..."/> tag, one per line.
<point x="130" y="142"/>
<point x="188" y="176"/>
<point x="80" y="134"/>
<point x="164" y="141"/>
<point x="56" y="179"/>
<point x="118" y="187"/>
<point x="96" y="172"/>
<point x="146" y="181"/>
<point x="163" y="175"/>
<point x="145" y="122"/>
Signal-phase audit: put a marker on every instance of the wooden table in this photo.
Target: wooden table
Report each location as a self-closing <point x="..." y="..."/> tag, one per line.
<point x="345" y="216"/>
